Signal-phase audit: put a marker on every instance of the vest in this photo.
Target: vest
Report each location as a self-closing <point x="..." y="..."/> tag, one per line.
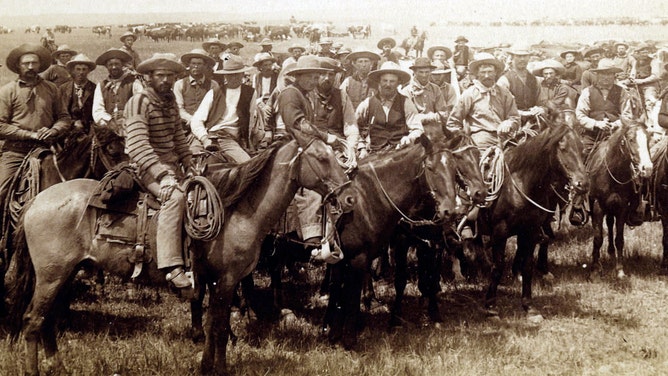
<point x="328" y="116"/>
<point x="643" y="67"/>
<point x="243" y="111"/>
<point x="358" y="91"/>
<point x="525" y="93"/>
<point x="387" y="130"/>
<point x="258" y="84"/>
<point x="601" y="108"/>
<point x="192" y="96"/>
<point x="118" y="100"/>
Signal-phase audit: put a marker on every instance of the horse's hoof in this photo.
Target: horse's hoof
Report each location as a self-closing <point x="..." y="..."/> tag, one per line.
<point x="197" y="335"/>
<point x="621" y="274"/>
<point x="548" y="277"/>
<point x="536" y="318"/>
<point x="492" y="314"/>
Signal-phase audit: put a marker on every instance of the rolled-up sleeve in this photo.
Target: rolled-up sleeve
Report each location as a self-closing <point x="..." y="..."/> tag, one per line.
<point x="413" y="120"/>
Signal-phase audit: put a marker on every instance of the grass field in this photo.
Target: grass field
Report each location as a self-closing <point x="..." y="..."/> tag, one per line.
<point x="590" y="327"/>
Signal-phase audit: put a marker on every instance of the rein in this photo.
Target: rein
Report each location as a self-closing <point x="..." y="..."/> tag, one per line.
<point x="634" y="169"/>
<point x="526" y="197"/>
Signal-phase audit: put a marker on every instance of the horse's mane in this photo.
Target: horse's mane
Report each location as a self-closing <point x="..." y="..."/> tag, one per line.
<point x="234" y="181"/>
<point x="597" y="157"/>
<point x="531" y="154"/>
<point x="383" y="157"/>
<point x="74" y="145"/>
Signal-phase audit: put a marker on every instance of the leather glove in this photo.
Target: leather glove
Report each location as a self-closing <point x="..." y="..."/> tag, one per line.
<point x="167" y="185"/>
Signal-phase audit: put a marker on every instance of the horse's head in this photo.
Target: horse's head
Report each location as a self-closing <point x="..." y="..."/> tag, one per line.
<point x="635" y="142"/>
<point x="440" y="173"/>
<point x="569" y="156"/>
<point x="467" y="155"/>
<point x="562" y="115"/>
<point x="317" y="168"/>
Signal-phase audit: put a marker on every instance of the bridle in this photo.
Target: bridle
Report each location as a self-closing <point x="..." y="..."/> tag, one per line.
<point x="635" y="169"/>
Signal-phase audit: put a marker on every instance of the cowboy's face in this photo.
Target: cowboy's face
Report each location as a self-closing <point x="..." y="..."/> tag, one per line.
<point x="297" y="53"/>
<point x="550" y="76"/>
<point x="621" y="50"/>
<point x="266" y="48"/>
<point x="595" y="57"/>
<point x="162" y="81"/>
<point x="422" y="75"/>
<point x="196" y="67"/>
<point x="233" y="81"/>
<point x="387" y="47"/>
<point x="80" y="73"/>
<point x="439" y="55"/>
<point x="326" y="81"/>
<point x="569" y="58"/>
<point x="128" y="41"/>
<point x="307" y="81"/>
<point x="520" y="61"/>
<point x="437" y="78"/>
<point x="461" y="43"/>
<point x="487" y="75"/>
<point x="115" y="68"/>
<point x="215" y="50"/>
<point x="64" y="57"/>
<point x="605" y="79"/>
<point x="644" y="52"/>
<point x="362" y="65"/>
<point x="28" y="66"/>
<point x="388" y="84"/>
<point x="265" y="68"/>
<point x="234" y="50"/>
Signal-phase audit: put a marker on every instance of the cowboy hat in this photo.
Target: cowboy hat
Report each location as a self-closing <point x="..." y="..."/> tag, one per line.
<point x="113" y="53"/>
<point x="621" y="44"/>
<point x="330" y="64"/>
<point x="261" y="58"/>
<point x="63" y="49"/>
<point x="296" y="47"/>
<point x="645" y="46"/>
<point x="200" y="54"/>
<point x="592" y="51"/>
<point x="422" y="62"/>
<point x="126" y="35"/>
<point x="233" y="64"/>
<point x="326" y="41"/>
<point x="577" y="54"/>
<point x="431" y="50"/>
<point x="384" y="41"/>
<point x="485" y="58"/>
<point x="308" y="64"/>
<point x="81" y="59"/>
<point x="607" y="66"/>
<point x="549" y="63"/>
<point x="391" y="68"/>
<point x="362" y="53"/>
<point x="266" y="42"/>
<point x="344" y="51"/>
<point x="461" y="38"/>
<point x="211" y="41"/>
<point x="166" y="61"/>
<point x="235" y="44"/>
<point x="15" y="55"/>
<point x="441" y="68"/>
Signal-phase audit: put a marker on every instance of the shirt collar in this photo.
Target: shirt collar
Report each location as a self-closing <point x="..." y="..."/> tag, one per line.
<point x="23" y="83"/>
<point x="484" y="89"/>
<point x="194" y="81"/>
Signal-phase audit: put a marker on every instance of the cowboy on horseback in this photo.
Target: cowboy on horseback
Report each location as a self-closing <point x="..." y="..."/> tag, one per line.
<point x="156" y="142"/>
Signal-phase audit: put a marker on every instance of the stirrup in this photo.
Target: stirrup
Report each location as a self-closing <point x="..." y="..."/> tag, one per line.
<point x="326" y="254"/>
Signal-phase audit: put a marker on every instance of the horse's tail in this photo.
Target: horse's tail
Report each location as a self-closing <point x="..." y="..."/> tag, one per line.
<point x="21" y="291"/>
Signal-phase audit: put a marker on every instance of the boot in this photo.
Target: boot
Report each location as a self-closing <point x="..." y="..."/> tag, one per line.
<point x="181" y="283"/>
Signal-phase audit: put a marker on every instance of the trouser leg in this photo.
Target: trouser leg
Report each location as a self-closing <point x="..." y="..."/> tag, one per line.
<point x="169" y="228"/>
<point x="309" y="214"/>
<point x="232" y="150"/>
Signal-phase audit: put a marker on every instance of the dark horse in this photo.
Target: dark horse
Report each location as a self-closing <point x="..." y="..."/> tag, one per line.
<point x="659" y="193"/>
<point x="616" y="166"/>
<point x="57" y="235"/>
<point x="82" y="155"/>
<point x="554" y="155"/>
<point x="386" y="186"/>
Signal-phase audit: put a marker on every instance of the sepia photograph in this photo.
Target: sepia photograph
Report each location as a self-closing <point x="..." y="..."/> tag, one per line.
<point x="418" y="188"/>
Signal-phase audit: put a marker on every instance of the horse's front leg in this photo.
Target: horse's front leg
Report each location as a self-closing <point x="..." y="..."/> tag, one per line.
<point x="619" y="244"/>
<point x="400" y="280"/>
<point x="351" y="298"/>
<point x="218" y="330"/>
<point x="197" y="312"/>
<point x="498" y="266"/>
<point x="526" y="245"/>
<point x="597" y="226"/>
<point x="429" y="264"/>
<point x="610" y="223"/>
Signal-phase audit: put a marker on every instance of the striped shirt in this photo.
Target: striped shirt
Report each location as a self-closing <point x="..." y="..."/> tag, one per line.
<point x="154" y="138"/>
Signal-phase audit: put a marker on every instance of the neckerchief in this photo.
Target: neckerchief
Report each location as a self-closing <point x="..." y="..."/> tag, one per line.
<point x="113" y="84"/>
<point x="484" y="90"/>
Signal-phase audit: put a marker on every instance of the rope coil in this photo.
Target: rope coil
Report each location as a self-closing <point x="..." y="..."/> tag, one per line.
<point x="204" y="209"/>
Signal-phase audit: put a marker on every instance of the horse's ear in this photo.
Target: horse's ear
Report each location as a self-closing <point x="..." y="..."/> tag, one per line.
<point x="425" y="142"/>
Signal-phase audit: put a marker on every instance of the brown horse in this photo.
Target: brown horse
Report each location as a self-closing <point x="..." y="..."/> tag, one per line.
<point x="58" y="229"/>
<point x="524" y="199"/>
<point x="616" y="167"/>
<point x="658" y="188"/>
<point x="386" y="186"/>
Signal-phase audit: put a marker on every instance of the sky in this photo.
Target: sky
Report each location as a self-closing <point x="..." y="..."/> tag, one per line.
<point x="483" y="10"/>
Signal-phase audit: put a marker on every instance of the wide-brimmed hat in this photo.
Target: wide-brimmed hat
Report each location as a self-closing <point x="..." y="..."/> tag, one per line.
<point x="384" y="41"/>
<point x="331" y="64"/>
<point x="166" y="61"/>
<point x="63" y="49"/>
<point x="549" y="63"/>
<point x="592" y="51"/>
<point x="575" y="53"/>
<point x="15" y="56"/>
<point x="486" y="58"/>
<point x="266" y="42"/>
<point x="441" y="68"/>
<point x="363" y="53"/>
<point x="211" y="41"/>
<point x="607" y="66"/>
<point x="233" y="64"/>
<point x="235" y="44"/>
<point x="431" y="50"/>
<point x="645" y="46"/>
<point x="200" y="54"/>
<point x="127" y="34"/>
<point x="343" y="51"/>
<point x="113" y="53"/>
<point x="326" y="41"/>
<point x="620" y="44"/>
<point x="392" y="68"/>
<point x="81" y="59"/>
<point x="261" y="58"/>
<point x="422" y="62"/>
<point x="461" y="38"/>
<point x="308" y="64"/>
<point x="296" y="47"/>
